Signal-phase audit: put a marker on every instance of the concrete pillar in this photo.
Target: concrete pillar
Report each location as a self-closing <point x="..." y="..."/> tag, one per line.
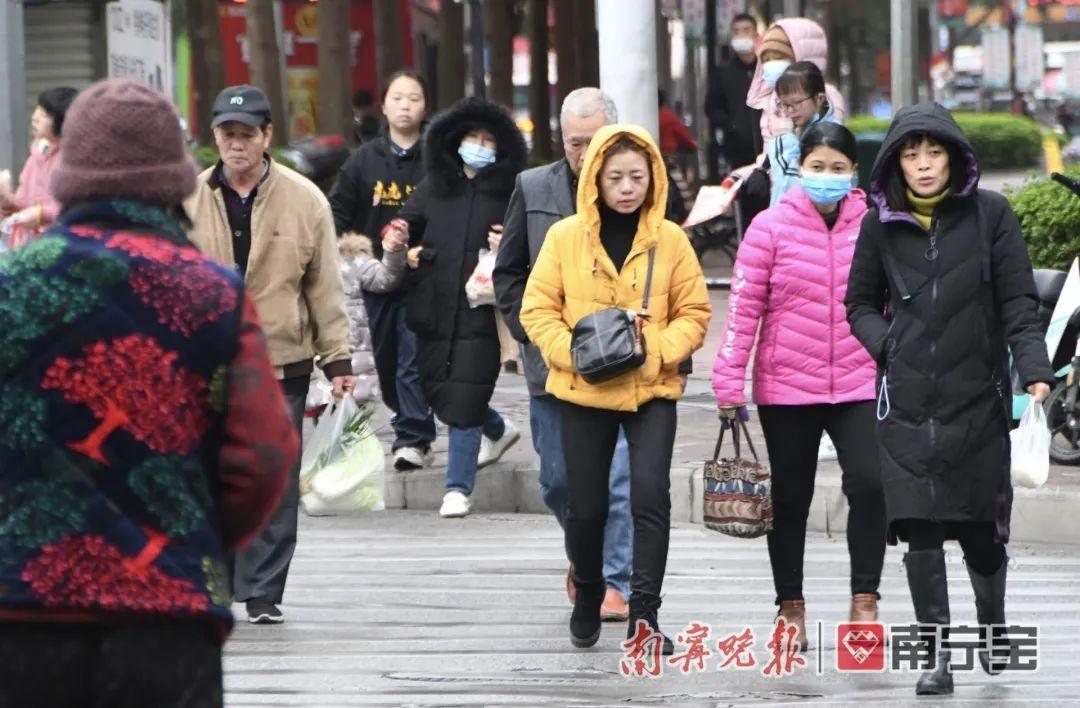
<point x="628" y="70"/>
<point x="13" y="109"/>
<point x="903" y="51"/>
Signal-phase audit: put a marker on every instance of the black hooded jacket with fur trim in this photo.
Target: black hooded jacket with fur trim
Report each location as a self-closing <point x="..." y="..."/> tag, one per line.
<point x="958" y="297"/>
<point x="450" y="215"/>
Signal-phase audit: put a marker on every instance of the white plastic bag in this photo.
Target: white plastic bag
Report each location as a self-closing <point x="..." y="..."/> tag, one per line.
<point x="342" y="469"/>
<point x="1031" y="448"/>
<point x="479" y="288"/>
<point x="320" y="394"/>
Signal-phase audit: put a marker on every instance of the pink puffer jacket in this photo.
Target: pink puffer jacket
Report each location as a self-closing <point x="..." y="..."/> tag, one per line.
<point x="809" y="44"/>
<point x="791" y="276"/>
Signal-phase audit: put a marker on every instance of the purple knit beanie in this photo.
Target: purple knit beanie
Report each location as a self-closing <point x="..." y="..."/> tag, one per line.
<point x="123" y="139"/>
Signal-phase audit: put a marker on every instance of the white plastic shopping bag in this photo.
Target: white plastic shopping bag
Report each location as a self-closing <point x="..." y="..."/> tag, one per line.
<point x="342" y="469"/>
<point x="1031" y="448"/>
<point x="479" y="288"/>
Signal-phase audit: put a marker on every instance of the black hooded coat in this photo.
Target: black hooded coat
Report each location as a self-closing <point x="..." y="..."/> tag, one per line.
<point x="940" y="328"/>
<point x="450" y="216"/>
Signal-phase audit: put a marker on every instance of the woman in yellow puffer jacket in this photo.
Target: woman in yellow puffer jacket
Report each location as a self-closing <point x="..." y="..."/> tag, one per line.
<point x="591" y="261"/>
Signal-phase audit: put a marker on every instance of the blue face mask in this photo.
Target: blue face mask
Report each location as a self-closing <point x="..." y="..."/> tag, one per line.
<point x="476" y="156"/>
<point x="771" y="70"/>
<point x="827" y="189"/>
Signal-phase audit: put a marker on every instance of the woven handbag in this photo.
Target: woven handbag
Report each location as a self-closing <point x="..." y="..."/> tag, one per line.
<point x="738" y="492"/>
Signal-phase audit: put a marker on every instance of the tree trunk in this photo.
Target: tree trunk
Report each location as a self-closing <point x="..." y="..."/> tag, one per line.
<point x="335" y="70"/>
<point x="265" y="62"/>
<point x="499" y="27"/>
<point x="388" y="52"/>
<point x="539" y="90"/>
<point x="207" y="64"/>
<point x="566" y="61"/>
<point x="451" y="72"/>
<point x="588" y="41"/>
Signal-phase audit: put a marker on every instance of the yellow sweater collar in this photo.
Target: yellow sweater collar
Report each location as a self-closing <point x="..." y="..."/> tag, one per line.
<point x="922" y="208"/>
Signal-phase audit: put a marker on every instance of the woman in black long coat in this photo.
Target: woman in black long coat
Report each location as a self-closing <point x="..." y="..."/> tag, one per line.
<point x="473" y="151"/>
<point x="940" y="290"/>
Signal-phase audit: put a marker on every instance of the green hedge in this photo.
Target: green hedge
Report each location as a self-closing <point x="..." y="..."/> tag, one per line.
<point x="1001" y="140"/>
<point x="207" y="155"/>
<point x="1049" y="214"/>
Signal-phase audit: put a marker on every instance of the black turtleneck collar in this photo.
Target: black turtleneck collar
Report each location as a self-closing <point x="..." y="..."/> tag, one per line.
<point x="617" y="233"/>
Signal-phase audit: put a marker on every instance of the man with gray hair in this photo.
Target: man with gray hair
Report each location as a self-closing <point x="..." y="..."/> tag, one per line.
<point x="542" y="196"/>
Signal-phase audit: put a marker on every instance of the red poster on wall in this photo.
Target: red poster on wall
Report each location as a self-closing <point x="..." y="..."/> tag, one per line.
<point x="300" y="26"/>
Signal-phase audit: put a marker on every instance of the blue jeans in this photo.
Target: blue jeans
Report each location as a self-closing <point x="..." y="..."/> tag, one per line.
<point x="545" y="420"/>
<point x="465" y="448"/>
<point x="394" y="347"/>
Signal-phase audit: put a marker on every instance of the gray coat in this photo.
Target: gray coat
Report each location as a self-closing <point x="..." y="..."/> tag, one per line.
<point x="542" y="196"/>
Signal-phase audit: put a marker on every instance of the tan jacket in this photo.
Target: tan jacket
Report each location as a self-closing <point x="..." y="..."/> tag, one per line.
<point x="293" y="273"/>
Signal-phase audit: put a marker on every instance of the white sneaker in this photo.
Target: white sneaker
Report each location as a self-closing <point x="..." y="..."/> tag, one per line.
<point x="492" y="450"/>
<point x="826" y="450"/>
<point x="455" y="505"/>
<point x="411" y="458"/>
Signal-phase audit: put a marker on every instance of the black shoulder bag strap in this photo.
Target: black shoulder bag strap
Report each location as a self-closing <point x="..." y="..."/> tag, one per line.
<point x="648" y="282"/>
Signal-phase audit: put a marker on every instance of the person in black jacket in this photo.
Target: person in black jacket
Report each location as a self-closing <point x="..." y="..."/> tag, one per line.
<point x="725" y="102"/>
<point x="940" y="290"/>
<point x="473" y="152"/>
<point x="370" y="190"/>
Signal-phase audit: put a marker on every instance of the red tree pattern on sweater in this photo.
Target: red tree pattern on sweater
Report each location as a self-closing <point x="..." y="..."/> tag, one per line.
<point x="184" y="298"/>
<point x="132" y="383"/>
<point x="87" y="571"/>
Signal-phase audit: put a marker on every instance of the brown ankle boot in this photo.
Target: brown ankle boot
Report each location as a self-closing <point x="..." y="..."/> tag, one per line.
<point x="794" y="612"/>
<point x="864" y="607"/>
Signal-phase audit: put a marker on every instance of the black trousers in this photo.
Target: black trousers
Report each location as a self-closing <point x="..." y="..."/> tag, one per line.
<point x="981" y="552"/>
<point x="792" y="435"/>
<point x="57" y="665"/>
<point x="260" y="570"/>
<point x="589" y="436"/>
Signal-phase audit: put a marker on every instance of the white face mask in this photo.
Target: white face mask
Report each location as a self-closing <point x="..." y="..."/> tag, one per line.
<point x="742" y="45"/>
<point x="772" y="70"/>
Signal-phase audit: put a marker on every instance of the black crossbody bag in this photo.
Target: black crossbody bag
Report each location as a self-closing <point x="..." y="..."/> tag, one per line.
<point x="610" y="342"/>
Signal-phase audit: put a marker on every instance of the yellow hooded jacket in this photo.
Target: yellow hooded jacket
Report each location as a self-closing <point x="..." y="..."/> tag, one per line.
<point x="574" y="277"/>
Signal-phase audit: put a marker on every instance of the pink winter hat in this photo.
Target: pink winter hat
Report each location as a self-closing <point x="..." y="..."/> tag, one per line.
<point x="123" y="139"/>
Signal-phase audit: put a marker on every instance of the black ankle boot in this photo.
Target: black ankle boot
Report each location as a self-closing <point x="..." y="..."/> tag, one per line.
<point x="585" y="619"/>
<point x="990" y="609"/>
<point x="646" y="609"/>
<point x="930" y="596"/>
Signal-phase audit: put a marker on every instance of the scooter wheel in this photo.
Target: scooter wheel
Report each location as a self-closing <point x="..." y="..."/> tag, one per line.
<point x="1064" y="442"/>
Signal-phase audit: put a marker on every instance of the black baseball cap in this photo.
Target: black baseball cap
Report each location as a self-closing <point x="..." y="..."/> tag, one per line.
<point x="243" y="104"/>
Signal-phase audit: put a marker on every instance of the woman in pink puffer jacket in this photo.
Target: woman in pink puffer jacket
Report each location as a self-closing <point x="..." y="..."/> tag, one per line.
<point x="810" y="374"/>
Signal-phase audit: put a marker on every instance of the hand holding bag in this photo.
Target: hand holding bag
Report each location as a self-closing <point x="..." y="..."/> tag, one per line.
<point x="609" y="342"/>
<point x="737" y="491"/>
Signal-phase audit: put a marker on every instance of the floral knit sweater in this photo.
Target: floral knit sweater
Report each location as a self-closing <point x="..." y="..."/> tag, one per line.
<point x="142" y="433"/>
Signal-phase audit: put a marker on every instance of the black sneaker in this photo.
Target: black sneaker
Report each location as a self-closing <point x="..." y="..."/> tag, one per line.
<point x="264" y="612"/>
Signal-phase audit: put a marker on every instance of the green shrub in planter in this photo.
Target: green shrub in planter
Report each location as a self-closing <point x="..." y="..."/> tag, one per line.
<point x="1000" y="140"/>
<point x="207" y="156"/>
<point x="1050" y="217"/>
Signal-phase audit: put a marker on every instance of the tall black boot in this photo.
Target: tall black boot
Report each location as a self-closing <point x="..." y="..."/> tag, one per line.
<point x="990" y="609"/>
<point x="585" y="619"/>
<point x="930" y="596"/>
<point x="646" y="608"/>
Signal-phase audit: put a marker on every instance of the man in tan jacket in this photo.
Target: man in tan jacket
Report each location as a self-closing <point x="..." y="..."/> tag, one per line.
<point x="275" y="227"/>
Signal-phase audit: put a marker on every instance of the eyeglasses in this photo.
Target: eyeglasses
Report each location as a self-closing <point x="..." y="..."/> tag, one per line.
<point x="792" y="107"/>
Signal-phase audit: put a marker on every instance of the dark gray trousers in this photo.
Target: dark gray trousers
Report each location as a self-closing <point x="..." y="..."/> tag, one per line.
<point x="260" y="570"/>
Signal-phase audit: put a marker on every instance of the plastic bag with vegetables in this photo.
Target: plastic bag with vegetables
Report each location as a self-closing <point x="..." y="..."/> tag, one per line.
<point x="342" y="469"/>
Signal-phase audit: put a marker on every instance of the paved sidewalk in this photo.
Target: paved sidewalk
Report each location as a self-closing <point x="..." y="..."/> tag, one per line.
<point x="1050" y="514"/>
<point x="400" y="608"/>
